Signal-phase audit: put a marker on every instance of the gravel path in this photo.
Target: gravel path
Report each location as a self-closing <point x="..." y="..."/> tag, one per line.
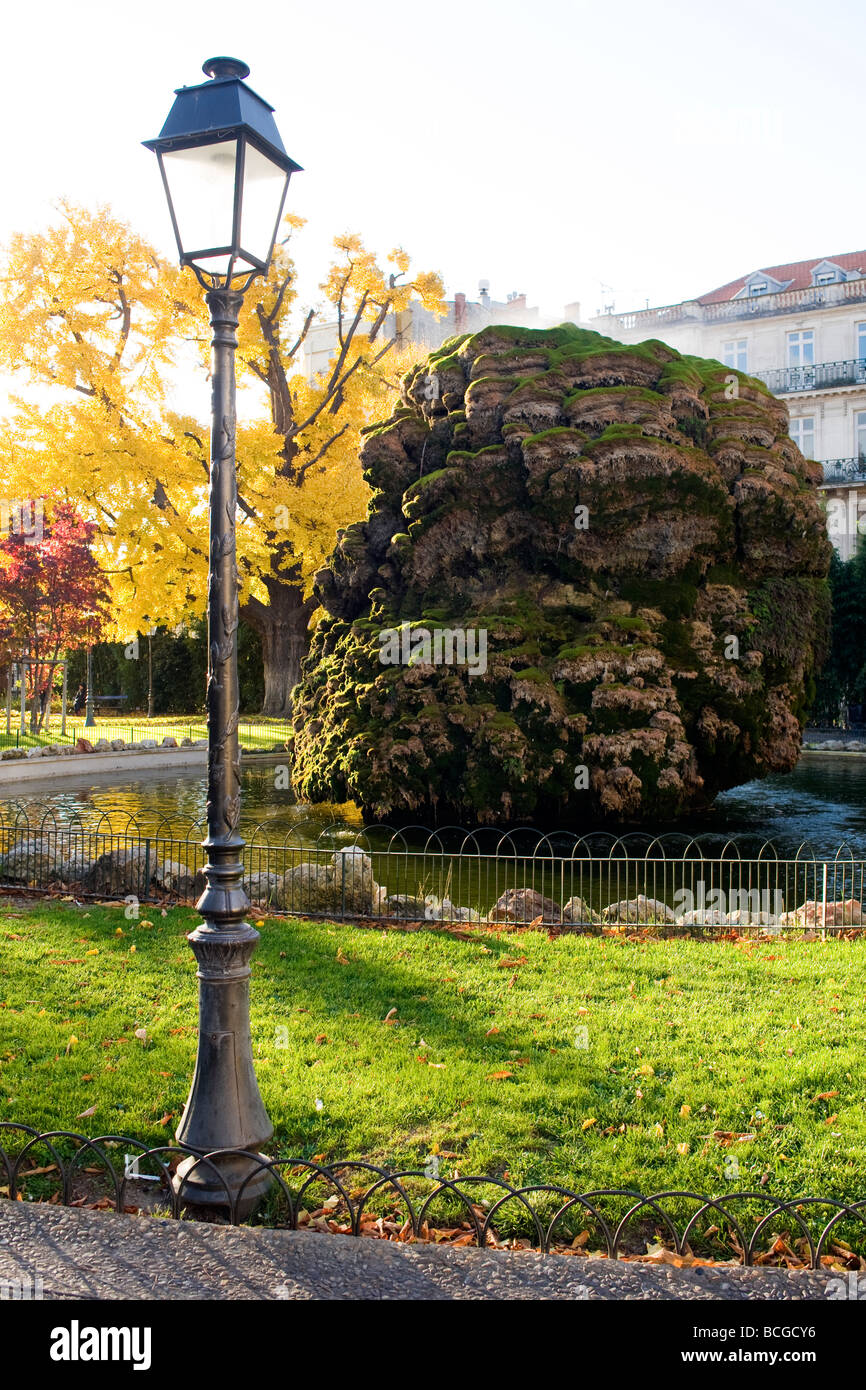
<point x="87" y="1255"/>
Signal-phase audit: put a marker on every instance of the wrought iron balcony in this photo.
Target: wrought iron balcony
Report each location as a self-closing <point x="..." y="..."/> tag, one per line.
<point x="821" y="376"/>
<point x="653" y="322"/>
<point x="838" y="472"/>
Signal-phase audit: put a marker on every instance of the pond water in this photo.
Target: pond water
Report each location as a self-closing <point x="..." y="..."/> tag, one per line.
<point x="822" y="802"/>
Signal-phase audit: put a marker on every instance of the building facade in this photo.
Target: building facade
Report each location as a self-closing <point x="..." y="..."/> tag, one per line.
<point x="801" y="328"/>
<point x="419" y="326"/>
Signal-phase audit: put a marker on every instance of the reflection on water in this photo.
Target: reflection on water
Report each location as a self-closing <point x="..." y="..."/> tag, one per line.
<point x="180" y="799"/>
<point x="823" y="802"/>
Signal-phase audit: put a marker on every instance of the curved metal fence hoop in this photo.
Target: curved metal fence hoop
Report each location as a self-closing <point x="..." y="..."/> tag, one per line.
<point x="521" y="1193"/>
<point x="443" y="1185"/>
<point x="25" y="1129"/>
<point x="48" y="814"/>
<point x="769" y="849"/>
<point x="509" y="1193"/>
<point x="331" y="829"/>
<point x="855" y="1209"/>
<point x="367" y="1167"/>
<point x="651" y="1201"/>
<point x="364" y="833"/>
<point x="297" y="828"/>
<point x="848" y="858"/>
<point x="718" y="1203"/>
<point x="735" y="857"/>
<point x="500" y="851"/>
<point x="475" y="852"/>
<point x="621" y="842"/>
<point x="145" y="1152"/>
<point x="544" y="843"/>
<point x="383" y="1181"/>
<point x="326" y="1174"/>
<point x="171" y="1150"/>
<point x="438" y="834"/>
<point x="251" y="836"/>
<point x="801" y="858"/>
<point x="231" y="1202"/>
<point x="167" y="829"/>
<point x="22" y="816"/>
<point x="261" y="1165"/>
<point x="398" y="833"/>
<point x="573" y="1200"/>
<point x="580" y="841"/>
<point x="84" y="1149"/>
<point x="61" y="1165"/>
<point x="789" y="1208"/>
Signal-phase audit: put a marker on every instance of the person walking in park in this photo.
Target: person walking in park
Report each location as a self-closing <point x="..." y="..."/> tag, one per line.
<point x="80" y="699"/>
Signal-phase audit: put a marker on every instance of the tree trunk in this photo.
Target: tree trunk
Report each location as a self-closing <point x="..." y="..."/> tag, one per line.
<point x="282" y="627"/>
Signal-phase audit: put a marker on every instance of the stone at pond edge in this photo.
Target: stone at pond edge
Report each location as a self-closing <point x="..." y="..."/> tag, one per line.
<point x="524" y="905"/>
<point x="638" y="910"/>
<point x="123" y="871"/>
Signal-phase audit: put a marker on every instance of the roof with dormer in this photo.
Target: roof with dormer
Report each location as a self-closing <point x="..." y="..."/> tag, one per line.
<point x="796" y="275"/>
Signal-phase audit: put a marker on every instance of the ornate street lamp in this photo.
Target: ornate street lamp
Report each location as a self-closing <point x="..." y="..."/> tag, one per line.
<point x="226" y="174"/>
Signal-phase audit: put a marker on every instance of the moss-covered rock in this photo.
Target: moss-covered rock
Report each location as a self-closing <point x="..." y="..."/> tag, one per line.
<point x="639" y="545"/>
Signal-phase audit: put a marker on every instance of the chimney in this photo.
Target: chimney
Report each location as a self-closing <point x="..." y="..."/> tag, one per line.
<point x="572" y="311"/>
<point x="459" y="311"/>
<point x="484" y="293"/>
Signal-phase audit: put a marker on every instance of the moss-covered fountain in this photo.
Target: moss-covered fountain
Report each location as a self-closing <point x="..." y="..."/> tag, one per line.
<point x="639" y="544"/>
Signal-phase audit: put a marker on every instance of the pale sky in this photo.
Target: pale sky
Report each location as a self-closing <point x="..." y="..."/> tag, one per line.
<point x="606" y="153"/>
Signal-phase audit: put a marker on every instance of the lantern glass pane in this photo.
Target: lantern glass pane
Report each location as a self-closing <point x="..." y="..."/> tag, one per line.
<point x="201" y="185"/>
<point x="264" y="186"/>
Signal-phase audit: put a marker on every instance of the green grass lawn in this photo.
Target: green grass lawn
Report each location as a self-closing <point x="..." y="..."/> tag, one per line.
<point x="256" y="731"/>
<point x="482" y="1061"/>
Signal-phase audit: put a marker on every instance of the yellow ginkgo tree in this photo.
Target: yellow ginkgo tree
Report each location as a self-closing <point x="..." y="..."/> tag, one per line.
<point x="101" y="330"/>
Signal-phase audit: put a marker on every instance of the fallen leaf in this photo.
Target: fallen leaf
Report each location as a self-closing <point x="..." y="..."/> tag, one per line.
<point x="341" y="958"/>
<point x="491" y="1030"/>
<point x="498" y="1075"/>
<point x="85" y="1114"/>
<point x="506" y="964"/>
<point x="588" y="1124"/>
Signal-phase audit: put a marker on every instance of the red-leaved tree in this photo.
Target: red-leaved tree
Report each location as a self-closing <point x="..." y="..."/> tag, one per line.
<point x="53" y="596"/>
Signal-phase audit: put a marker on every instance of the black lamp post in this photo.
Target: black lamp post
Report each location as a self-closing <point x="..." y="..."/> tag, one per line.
<point x="89" y="711"/>
<point x="226" y="174"/>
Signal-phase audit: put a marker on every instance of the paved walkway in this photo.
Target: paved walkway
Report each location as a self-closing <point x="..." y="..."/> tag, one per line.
<point x="100" y="1255"/>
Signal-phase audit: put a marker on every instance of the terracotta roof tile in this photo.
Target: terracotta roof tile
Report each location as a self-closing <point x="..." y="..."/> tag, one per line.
<point x="800" y="272"/>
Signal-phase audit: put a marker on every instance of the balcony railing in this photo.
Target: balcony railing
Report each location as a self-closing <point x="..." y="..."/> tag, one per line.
<point x="654" y="321"/>
<point x="821" y="376"/>
<point x="838" y="472"/>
